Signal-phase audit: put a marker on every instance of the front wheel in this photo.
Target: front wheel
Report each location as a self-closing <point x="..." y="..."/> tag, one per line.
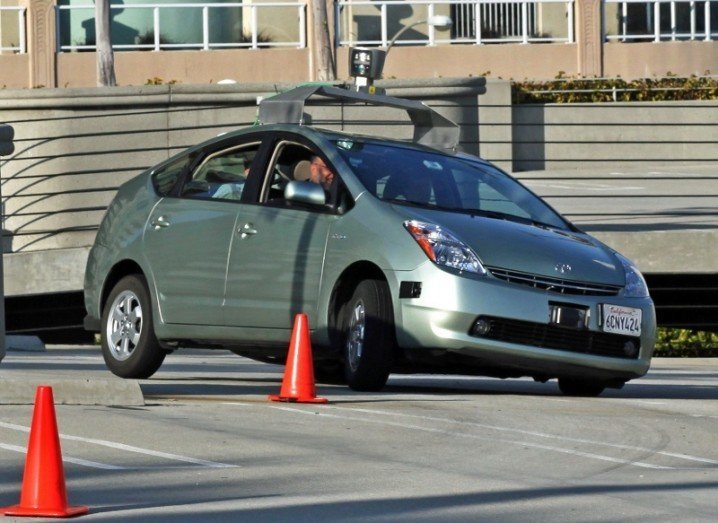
<point x="129" y="345"/>
<point x="368" y="324"/>
<point x="579" y="387"/>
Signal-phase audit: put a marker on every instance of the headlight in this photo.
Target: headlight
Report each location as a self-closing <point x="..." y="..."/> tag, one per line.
<point x="635" y="284"/>
<point x="443" y="248"/>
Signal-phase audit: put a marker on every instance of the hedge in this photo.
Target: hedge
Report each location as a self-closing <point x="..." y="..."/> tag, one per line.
<point x="684" y="343"/>
<point x="592" y="90"/>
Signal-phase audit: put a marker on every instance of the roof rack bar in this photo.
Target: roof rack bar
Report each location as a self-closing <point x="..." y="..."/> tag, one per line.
<point x="430" y="128"/>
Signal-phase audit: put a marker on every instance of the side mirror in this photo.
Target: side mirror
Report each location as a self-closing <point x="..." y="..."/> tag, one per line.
<point x="7" y="133"/>
<point x="305" y="192"/>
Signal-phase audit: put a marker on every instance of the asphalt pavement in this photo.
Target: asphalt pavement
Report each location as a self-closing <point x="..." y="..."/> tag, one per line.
<point x="207" y="445"/>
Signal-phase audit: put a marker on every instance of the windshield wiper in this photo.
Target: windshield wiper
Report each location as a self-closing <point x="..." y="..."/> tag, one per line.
<point x="408" y="202"/>
<point x="494" y="214"/>
<point x="509" y="217"/>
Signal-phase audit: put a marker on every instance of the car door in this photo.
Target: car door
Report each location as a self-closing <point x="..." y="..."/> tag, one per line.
<point x="277" y="255"/>
<point x="188" y="237"/>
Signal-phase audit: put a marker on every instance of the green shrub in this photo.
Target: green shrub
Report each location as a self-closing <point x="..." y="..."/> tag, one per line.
<point x="587" y="90"/>
<point x="684" y="343"/>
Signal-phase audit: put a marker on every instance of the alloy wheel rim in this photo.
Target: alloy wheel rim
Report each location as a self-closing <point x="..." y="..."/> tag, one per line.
<point x="355" y="340"/>
<point x="124" y="325"/>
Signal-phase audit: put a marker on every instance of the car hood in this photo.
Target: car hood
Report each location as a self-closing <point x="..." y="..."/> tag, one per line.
<point x="527" y="248"/>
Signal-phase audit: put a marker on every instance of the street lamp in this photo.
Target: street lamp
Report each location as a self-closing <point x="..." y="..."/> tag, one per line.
<point x="438" y="21"/>
<point x="366" y="65"/>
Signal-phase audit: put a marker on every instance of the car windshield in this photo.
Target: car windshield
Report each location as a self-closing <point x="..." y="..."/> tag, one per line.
<point x="431" y="180"/>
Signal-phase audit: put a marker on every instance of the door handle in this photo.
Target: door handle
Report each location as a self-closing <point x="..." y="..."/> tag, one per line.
<point x="159" y="223"/>
<point x="246" y="230"/>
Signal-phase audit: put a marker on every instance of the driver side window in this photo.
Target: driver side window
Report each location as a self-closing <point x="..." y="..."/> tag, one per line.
<point x="222" y="175"/>
<point x="289" y="162"/>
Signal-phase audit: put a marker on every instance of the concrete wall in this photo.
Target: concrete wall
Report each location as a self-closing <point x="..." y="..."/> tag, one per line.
<point x="648" y="59"/>
<point x="557" y="136"/>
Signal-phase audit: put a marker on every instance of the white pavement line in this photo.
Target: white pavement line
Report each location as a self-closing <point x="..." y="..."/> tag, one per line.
<point x="472" y="436"/>
<point x="674" y="371"/>
<point x="129" y="448"/>
<point x="536" y="434"/>
<point x="76" y="461"/>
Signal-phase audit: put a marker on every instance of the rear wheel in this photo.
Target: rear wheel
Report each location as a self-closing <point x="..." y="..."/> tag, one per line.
<point x="579" y="387"/>
<point x="368" y="326"/>
<point x="129" y="345"/>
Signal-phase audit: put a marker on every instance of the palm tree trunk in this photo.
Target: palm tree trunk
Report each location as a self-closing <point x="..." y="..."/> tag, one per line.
<point x="323" y="42"/>
<point x="105" y="56"/>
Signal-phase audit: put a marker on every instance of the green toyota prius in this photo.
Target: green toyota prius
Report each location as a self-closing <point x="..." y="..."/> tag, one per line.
<point x="406" y="256"/>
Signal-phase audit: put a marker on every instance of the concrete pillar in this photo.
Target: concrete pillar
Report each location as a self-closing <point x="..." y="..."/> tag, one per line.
<point x="41" y="40"/>
<point x="589" y="39"/>
<point x="7" y="134"/>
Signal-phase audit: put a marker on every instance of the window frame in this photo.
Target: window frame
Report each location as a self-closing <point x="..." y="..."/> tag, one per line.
<point x="281" y="139"/>
<point x="258" y="142"/>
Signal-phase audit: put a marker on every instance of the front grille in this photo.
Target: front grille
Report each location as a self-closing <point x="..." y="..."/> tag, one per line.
<point x="556" y="285"/>
<point x="560" y="338"/>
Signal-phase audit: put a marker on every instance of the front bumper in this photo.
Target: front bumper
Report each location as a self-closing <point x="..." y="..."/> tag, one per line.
<point x="440" y="321"/>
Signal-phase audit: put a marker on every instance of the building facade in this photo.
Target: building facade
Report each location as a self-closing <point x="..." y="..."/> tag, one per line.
<point x="50" y="43"/>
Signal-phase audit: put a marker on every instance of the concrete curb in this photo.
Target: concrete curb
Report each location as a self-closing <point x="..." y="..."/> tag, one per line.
<point x="24" y="343"/>
<point x="108" y="392"/>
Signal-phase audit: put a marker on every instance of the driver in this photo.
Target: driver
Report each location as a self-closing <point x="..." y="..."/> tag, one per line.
<point x="320" y="173"/>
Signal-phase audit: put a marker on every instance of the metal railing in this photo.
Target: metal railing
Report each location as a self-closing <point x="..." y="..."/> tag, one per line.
<point x="21" y="46"/>
<point x="661" y="20"/>
<point x="367" y="22"/>
<point x="253" y="40"/>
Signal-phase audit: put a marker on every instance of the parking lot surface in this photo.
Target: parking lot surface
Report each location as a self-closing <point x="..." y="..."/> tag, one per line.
<point x="207" y="445"/>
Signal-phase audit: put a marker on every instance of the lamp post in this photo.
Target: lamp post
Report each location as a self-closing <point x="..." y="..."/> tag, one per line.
<point x="7" y="133"/>
<point x="437" y="21"/>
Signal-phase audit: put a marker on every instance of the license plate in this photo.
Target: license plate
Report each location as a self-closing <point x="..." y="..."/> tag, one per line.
<point x="621" y="320"/>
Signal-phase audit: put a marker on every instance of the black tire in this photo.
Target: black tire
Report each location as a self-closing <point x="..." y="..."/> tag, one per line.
<point x="368" y="327"/>
<point x="579" y="387"/>
<point x="129" y="345"/>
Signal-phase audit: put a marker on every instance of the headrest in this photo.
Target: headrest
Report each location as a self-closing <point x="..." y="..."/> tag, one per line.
<point x="302" y="171"/>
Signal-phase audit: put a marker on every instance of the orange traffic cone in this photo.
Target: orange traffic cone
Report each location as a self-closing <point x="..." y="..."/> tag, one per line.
<point x="43" y="484"/>
<point x="298" y="382"/>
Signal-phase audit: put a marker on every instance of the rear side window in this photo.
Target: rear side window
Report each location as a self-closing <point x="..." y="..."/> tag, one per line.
<point x="222" y="175"/>
<point x="166" y="177"/>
